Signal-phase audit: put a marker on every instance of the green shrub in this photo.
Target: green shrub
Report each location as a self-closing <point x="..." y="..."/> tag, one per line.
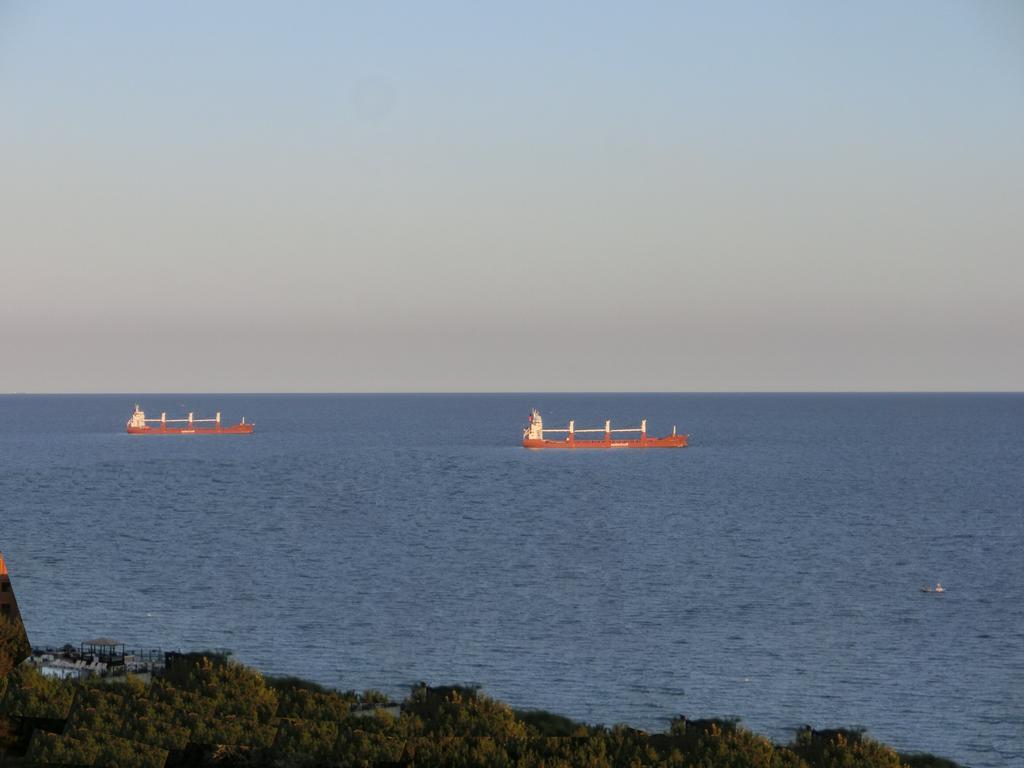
<point x="31" y="694"/>
<point x="215" y="712"/>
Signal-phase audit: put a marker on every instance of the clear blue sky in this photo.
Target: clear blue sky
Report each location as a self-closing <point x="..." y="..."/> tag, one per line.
<point x="451" y="196"/>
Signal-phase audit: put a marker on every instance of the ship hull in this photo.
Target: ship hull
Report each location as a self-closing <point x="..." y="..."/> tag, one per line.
<point x="237" y="429"/>
<point x="671" y="441"/>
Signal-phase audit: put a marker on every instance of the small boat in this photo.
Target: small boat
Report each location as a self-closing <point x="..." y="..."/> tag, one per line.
<point x="533" y="436"/>
<point x="138" y="424"/>
<point x="938" y="588"/>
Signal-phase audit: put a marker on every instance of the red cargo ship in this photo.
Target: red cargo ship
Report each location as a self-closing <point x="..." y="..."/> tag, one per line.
<point x="533" y="436"/>
<point x="138" y="424"/>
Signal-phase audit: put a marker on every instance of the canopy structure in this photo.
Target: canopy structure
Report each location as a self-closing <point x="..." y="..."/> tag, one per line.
<point x="105" y="649"/>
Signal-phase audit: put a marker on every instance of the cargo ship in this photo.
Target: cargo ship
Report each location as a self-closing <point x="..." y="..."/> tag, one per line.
<point x="138" y="424"/>
<point x="533" y="436"/>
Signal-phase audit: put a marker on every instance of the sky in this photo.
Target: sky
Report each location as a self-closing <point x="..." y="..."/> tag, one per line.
<point x="537" y="196"/>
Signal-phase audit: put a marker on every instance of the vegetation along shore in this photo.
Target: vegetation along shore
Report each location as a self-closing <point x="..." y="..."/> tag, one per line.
<point x="208" y="710"/>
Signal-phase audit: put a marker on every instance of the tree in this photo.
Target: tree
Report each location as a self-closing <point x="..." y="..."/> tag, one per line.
<point x="14" y="647"/>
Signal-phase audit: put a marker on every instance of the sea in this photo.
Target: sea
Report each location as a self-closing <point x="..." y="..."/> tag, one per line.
<point x="771" y="572"/>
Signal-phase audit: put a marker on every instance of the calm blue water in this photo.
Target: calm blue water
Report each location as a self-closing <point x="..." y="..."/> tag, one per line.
<point x="771" y="571"/>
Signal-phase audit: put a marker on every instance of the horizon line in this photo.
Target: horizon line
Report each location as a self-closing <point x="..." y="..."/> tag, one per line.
<point x="530" y="392"/>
